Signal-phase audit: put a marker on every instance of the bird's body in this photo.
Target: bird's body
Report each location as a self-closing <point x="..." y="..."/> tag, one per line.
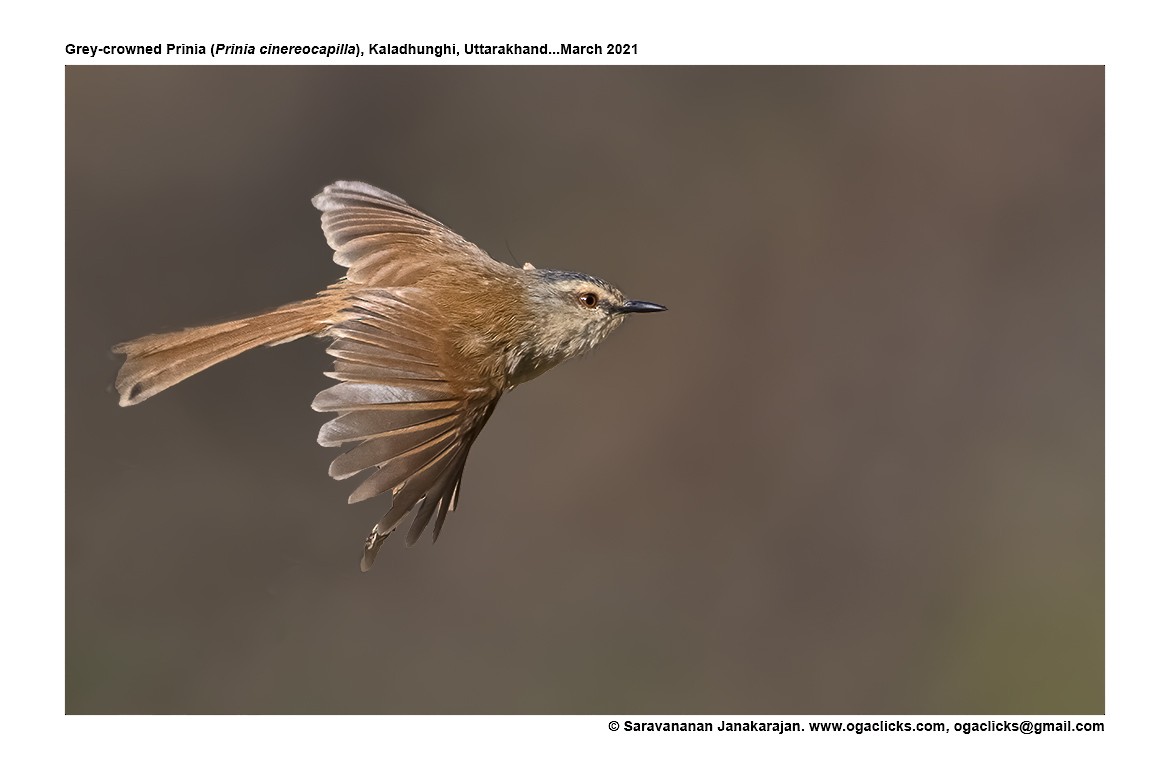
<point x="427" y="333"/>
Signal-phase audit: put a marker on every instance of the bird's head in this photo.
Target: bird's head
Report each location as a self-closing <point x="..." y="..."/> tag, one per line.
<point x="573" y="312"/>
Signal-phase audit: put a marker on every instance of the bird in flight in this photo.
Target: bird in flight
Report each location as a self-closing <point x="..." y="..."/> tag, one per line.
<point x="427" y="333"/>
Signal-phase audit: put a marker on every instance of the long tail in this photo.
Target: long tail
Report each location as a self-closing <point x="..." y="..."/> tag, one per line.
<point x="154" y="363"/>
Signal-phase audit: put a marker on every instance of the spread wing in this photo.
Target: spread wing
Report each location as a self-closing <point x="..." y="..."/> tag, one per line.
<point x="383" y="240"/>
<point x="411" y="418"/>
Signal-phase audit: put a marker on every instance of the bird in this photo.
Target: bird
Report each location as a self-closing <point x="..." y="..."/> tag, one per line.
<point x="426" y="331"/>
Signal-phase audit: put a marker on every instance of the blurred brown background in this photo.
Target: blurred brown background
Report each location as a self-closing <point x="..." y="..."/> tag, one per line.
<point x="858" y="467"/>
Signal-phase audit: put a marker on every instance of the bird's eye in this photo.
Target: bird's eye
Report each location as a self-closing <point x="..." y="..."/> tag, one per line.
<point x="587" y="299"/>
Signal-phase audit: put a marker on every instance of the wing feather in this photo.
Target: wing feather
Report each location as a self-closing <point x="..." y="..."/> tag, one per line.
<point x="380" y="448"/>
<point x="414" y="465"/>
<point x="383" y="241"/>
<point x="429" y="508"/>
<point x="410" y="417"/>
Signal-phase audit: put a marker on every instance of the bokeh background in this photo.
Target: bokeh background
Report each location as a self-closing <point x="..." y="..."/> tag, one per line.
<point x="857" y="468"/>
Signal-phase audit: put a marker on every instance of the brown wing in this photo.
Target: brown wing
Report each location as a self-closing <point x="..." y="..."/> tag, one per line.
<point x="413" y="420"/>
<point x="383" y="240"/>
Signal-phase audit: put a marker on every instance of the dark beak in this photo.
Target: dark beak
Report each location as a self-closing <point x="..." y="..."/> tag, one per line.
<point x="639" y="307"/>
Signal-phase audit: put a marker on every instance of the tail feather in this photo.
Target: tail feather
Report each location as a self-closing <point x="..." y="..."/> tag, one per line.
<point x="154" y="363"/>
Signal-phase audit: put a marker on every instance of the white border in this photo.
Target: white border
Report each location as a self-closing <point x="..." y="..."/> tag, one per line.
<point x="1127" y="37"/>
